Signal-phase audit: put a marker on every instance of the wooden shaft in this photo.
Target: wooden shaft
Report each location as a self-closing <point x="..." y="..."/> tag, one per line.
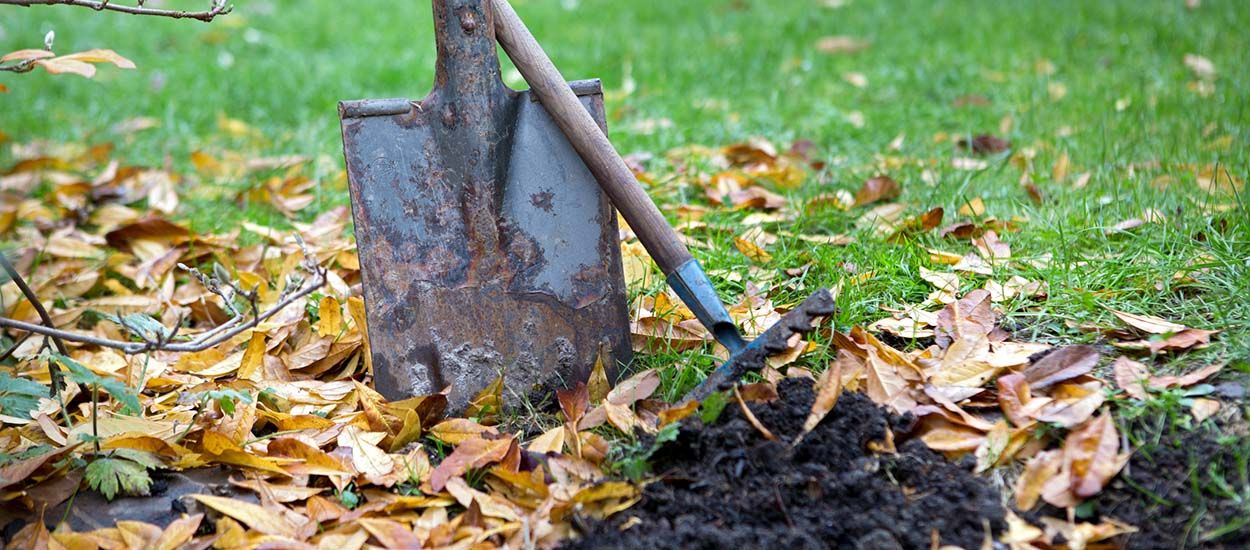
<point x="616" y="179"/>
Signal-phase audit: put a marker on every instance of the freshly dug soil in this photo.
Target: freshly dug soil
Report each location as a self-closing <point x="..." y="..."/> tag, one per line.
<point x="1172" y="493"/>
<point x="725" y="486"/>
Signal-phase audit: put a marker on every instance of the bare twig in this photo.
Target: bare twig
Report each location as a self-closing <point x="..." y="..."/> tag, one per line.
<point x="240" y="322"/>
<point x="53" y="370"/>
<point x="218" y="7"/>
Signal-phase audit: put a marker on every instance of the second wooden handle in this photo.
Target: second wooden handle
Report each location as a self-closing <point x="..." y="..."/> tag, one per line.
<point x="614" y="176"/>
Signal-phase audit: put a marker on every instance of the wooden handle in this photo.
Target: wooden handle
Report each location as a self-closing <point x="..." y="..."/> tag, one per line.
<point x="616" y="179"/>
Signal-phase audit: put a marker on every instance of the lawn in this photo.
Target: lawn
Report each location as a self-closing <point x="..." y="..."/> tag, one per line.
<point x="1096" y="99"/>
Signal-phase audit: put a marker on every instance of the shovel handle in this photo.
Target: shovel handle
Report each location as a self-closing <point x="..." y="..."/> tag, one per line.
<point x="616" y="179"/>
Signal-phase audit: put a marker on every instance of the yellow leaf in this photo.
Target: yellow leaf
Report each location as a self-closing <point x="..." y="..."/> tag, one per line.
<point x="178" y="533"/>
<point x="752" y="251"/>
<point x="368" y="459"/>
<point x="100" y="56"/>
<point x="551" y="441"/>
<point x="485" y="406"/>
<point x="457" y="430"/>
<point x="251" y="515"/>
<point x="356" y="307"/>
<point x="253" y="357"/>
<point x="331" y="321"/>
<point x="598" y="385"/>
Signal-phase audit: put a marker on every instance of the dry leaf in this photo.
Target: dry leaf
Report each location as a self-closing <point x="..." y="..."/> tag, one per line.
<point x="1092" y="456"/>
<point x="1062" y="364"/>
<point x="877" y="188"/>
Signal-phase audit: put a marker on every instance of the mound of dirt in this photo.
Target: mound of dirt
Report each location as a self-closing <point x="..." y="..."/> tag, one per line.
<point x="1183" y="492"/>
<point x="725" y="486"/>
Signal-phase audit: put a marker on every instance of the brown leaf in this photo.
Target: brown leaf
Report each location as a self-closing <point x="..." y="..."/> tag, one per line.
<point x="828" y="388"/>
<point x="877" y="188"/>
<point x="973" y="314"/>
<point x="390" y="533"/>
<point x="1062" y="364"/>
<point x="1183" y="340"/>
<point x="985" y="144"/>
<point x="1092" y="456"/>
<point x="1072" y="404"/>
<point x="474" y="452"/>
<point x="1186" y="380"/>
<point x="759" y="392"/>
<point x="573" y="402"/>
<point x="1013" y="396"/>
<point x="1131" y="377"/>
<point x="885" y="385"/>
<point x="991" y="248"/>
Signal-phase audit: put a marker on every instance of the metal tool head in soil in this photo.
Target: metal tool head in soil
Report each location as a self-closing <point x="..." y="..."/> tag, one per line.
<point x="754" y="355"/>
<point x="485" y="244"/>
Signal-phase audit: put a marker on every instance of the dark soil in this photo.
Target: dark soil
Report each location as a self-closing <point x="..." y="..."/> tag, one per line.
<point x="1183" y="493"/>
<point x="725" y="486"/>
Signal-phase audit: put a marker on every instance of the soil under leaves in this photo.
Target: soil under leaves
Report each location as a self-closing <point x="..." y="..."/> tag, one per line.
<point x="1171" y="490"/>
<point x="725" y="486"/>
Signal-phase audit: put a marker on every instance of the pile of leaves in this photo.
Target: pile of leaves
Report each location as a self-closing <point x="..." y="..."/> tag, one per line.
<point x="286" y="405"/>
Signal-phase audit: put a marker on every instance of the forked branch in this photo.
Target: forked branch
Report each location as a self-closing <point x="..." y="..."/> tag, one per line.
<point x="218" y="7"/>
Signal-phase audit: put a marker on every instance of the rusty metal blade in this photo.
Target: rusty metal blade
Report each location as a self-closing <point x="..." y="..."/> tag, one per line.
<point x="485" y="244"/>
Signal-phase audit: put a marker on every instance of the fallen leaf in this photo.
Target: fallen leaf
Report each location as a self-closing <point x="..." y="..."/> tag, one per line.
<point x="1202" y="408"/>
<point x="828" y="388"/>
<point x="877" y="188"/>
<point x="251" y="515"/>
<point x="1131" y="377"/>
<point x="752" y="251"/>
<point x="474" y="452"/>
<point x="1092" y="456"/>
<point x="841" y="44"/>
<point x="637" y="387"/>
<point x="1062" y="364"/>
<point x="1147" y="323"/>
<point x="1038" y="472"/>
<point x="598" y="386"/>
<point x="1202" y="67"/>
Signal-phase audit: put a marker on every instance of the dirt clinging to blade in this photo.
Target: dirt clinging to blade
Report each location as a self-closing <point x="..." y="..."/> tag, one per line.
<point x="725" y="486"/>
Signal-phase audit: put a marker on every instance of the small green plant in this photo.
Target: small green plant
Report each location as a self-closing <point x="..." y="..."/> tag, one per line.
<point x="633" y="460"/>
<point x="123" y="471"/>
<point x="348" y="497"/>
<point x="19" y="396"/>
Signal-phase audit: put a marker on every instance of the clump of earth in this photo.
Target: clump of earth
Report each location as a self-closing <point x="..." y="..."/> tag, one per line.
<point x="725" y="486"/>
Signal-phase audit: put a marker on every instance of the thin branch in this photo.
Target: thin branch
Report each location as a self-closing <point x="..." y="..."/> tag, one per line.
<point x="198" y="344"/>
<point x="53" y="370"/>
<point x="240" y="322"/>
<point x="219" y="7"/>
